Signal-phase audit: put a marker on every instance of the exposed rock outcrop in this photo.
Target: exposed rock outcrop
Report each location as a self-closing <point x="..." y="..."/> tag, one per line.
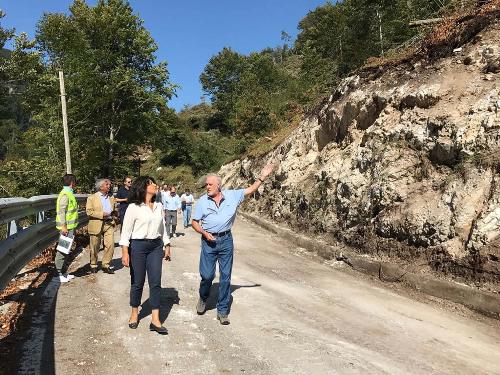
<point x="408" y="161"/>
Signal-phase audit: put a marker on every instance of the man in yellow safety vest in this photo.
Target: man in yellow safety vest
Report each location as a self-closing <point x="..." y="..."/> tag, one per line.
<point x="66" y="222"/>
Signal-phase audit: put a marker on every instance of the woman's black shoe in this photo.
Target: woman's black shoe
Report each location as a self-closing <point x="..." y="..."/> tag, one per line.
<point x="161" y="330"/>
<point x="133" y="325"/>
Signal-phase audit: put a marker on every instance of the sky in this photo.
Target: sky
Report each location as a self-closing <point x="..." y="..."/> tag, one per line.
<point x="189" y="32"/>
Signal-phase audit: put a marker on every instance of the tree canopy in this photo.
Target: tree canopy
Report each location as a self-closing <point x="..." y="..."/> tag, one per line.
<point x="118" y="91"/>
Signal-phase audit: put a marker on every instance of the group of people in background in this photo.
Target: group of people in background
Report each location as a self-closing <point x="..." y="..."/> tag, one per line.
<point x="148" y="217"/>
<point x="173" y="205"/>
<point x="105" y="211"/>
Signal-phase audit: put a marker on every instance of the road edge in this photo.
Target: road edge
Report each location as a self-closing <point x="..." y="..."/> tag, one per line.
<point x="483" y="302"/>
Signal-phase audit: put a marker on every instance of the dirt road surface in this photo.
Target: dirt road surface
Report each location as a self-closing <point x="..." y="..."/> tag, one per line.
<point x="291" y="314"/>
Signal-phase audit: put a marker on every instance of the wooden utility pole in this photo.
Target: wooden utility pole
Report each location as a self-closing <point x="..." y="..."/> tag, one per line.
<point x="65" y="122"/>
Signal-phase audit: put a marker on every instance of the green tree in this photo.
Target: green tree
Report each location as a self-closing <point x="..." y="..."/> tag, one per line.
<point x="202" y="116"/>
<point x="33" y="164"/>
<point x="221" y="79"/>
<point x="335" y="39"/>
<point x="116" y="90"/>
<point x="8" y="128"/>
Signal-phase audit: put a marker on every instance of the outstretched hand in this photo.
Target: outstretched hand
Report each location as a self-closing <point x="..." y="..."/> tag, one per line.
<point x="266" y="171"/>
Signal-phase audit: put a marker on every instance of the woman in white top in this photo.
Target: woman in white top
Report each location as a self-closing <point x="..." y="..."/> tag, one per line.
<point x="145" y="244"/>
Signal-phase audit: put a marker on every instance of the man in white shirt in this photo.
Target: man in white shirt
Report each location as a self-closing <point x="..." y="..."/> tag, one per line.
<point x="172" y="206"/>
<point x="187" y="201"/>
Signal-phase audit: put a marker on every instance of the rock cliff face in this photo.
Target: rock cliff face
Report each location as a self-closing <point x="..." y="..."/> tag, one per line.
<point x="406" y="164"/>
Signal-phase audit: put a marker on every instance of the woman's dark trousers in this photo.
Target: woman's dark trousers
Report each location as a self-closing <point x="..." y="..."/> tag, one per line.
<point x="146" y="256"/>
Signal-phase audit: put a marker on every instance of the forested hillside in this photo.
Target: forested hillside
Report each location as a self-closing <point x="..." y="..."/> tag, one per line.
<point x="118" y="92"/>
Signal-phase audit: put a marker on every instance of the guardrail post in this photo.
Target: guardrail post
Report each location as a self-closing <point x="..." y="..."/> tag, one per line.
<point x="12" y="228"/>
<point x="40" y="217"/>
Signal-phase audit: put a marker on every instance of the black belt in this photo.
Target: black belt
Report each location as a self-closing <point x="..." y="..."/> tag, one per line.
<point x="220" y="234"/>
<point x="146" y="239"/>
<point x="172" y="210"/>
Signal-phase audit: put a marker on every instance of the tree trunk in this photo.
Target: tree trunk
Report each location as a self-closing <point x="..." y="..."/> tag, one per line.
<point x="341" y="50"/>
<point x="380" y="32"/>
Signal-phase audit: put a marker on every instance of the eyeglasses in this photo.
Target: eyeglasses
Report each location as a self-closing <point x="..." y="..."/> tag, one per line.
<point x="128" y="182"/>
<point x="150" y="183"/>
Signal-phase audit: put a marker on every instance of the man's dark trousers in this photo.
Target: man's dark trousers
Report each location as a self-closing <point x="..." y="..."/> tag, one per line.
<point x="220" y="250"/>
<point x="171" y="221"/>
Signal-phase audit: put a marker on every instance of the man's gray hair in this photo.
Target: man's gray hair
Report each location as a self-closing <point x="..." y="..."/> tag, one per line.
<point x="219" y="180"/>
<point x="100" y="182"/>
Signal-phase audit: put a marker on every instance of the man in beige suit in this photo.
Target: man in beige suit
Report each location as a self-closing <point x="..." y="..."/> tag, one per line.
<point x="101" y="208"/>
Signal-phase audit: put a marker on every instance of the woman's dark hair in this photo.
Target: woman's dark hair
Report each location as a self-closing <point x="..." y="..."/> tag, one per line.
<point x="138" y="190"/>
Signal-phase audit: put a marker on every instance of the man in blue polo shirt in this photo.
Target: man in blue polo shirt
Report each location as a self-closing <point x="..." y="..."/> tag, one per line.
<point x="172" y="206"/>
<point x="213" y="218"/>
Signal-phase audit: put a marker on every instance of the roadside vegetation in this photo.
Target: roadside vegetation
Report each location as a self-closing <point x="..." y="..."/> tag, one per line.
<point x="118" y="92"/>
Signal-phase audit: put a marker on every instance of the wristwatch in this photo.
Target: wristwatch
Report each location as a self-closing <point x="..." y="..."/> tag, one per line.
<point x="261" y="180"/>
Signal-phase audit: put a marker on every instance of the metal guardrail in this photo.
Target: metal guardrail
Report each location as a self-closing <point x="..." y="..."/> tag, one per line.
<point x="17" y="208"/>
<point x="19" y="248"/>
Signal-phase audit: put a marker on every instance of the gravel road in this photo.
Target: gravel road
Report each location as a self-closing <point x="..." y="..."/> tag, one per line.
<point x="291" y="314"/>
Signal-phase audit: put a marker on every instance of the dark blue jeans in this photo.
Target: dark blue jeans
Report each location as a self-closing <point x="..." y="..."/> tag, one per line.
<point x="146" y="256"/>
<point x="221" y="250"/>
